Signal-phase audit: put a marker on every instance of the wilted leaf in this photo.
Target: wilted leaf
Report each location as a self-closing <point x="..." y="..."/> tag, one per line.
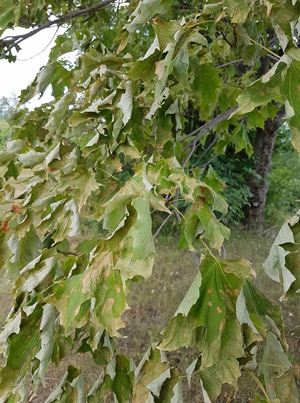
<point x="282" y="264"/>
<point x="211" y="323"/>
<point x="277" y="372"/>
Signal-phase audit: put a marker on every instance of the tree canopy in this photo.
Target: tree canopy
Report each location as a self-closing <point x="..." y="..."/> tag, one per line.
<point x="114" y="146"/>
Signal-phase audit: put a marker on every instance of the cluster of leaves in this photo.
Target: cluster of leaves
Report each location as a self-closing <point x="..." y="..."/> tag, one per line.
<point x="235" y="172"/>
<point x="231" y="170"/>
<point x="111" y="148"/>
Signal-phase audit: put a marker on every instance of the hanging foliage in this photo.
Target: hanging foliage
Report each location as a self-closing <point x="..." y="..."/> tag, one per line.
<point x="113" y="147"/>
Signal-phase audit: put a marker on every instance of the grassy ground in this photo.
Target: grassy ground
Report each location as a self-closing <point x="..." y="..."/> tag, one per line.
<point x="154" y="302"/>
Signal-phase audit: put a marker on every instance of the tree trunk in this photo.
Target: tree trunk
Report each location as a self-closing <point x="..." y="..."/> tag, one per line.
<point x="263" y="149"/>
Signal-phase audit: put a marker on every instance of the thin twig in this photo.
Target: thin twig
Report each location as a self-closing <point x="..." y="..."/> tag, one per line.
<point x="207" y="248"/>
<point x="69" y="253"/>
<point x="272" y="57"/>
<point x="262" y="46"/>
<point x="178" y="211"/>
<point x="230" y="63"/>
<point x="162" y="225"/>
<point x="13" y="41"/>
<point x="210" y="125"/>
<point x="209" y="161"/>
<point x="174" y="205"/>
<point x="206" y="151"/>
<point x="189" y="156"/>
<point x="196" y="259"/>
<point x="260" y="385"/>
<point x="42" y="51"/>
<point x="226" y="40"/>
<point x="233" y="85"/>
<point x="229" y="395"/>
<point x="201" y="132"/>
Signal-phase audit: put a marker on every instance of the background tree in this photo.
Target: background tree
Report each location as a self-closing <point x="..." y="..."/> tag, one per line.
<point x="8" y="106"/>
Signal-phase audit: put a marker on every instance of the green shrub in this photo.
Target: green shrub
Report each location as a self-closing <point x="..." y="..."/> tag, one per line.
<point x="234" y="171"/>
<point x="284" y="179"/>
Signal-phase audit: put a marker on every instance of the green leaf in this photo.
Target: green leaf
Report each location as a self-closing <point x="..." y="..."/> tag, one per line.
<point x="106" y="153"/>
<point x="275" y="265"/>
<point x="255" y="119"/>
<point x="277" y="372"/>
<point x="282" y="264"/>
<point x="31" y="158"/>
<point x="59" y="112"/>
<point x="27" y="250"/>
<point x="144" y="69"/>
<point x="262" y="91"/>
<point x="23" y="347"/>
<point x="125" y="103"/>
<point x="47" y="342"/>
<point x="211" y="322"/>
<point x="12" y="326"/>
<point x="152" y="365"/>
<point x="205" y="225"/>
<point x="241" y="140"/>
<point x="290" y="90"/>
<point x="109" y="291"/>
<point x="7" y="15"/>
<point x="67" y="298"/>
<point x="4" y="251"/>
<point x="154" y="379"/>
<point x="165" y="31"/>
<point x="141" y="232"/>
<point x="264" y="315"/>
<point x="205" y="85"/>
<point x="116" y="212"/>
<point x="70" y="389"/>
<point x="145" y="10"/>
<point x="237" y="10"/>
<point x="123" y="379"/>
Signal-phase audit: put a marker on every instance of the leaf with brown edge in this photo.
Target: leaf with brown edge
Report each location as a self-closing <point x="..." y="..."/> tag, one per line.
<point x="22" y="348"/>
<point x="154" y="379"/>
<point x="208" y="320"/>
<point x="277" y="372"/>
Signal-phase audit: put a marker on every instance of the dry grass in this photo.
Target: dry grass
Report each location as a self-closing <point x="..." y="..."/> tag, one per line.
<point x="154" y="302"/>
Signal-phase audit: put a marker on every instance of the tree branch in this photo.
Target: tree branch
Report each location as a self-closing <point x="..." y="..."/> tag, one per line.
<point x="230" y="63"/>
<point x="162" y="225"/>
<point x="13" y="41"/>
<point x="200" y="131"/>
<point x="206" y="151"/>
<point x="209" y="161"/>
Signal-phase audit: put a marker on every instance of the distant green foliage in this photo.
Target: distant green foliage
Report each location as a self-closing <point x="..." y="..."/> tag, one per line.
<point x="8" y="106"/>
<point x="4" y="132"/>
<point x="284" y="179"/>
<point x="234" y="170"/>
